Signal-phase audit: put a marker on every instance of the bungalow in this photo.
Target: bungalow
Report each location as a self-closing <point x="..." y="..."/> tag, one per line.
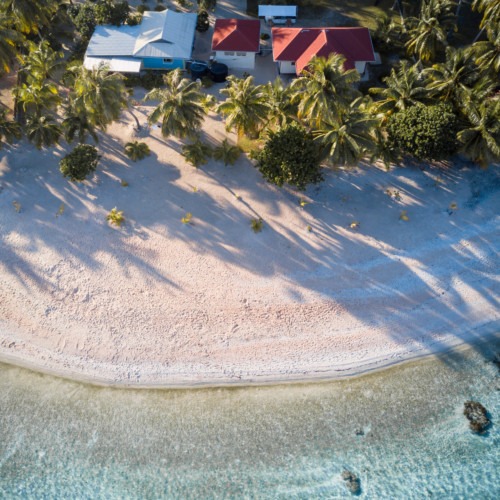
<point x="293" y="48"/>
<point x="236" y="41"/>
<point x="163" y="40"/>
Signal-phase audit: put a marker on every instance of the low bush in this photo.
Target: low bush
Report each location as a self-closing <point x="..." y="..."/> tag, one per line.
<point x="79" y="163"/>
<point x="425" y="132"/>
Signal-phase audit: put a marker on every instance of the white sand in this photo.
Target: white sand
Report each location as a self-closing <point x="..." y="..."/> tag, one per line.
<point x="160" y="303"/>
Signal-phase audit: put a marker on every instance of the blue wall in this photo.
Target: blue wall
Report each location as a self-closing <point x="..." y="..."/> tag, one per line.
<point x="157" y="63"/>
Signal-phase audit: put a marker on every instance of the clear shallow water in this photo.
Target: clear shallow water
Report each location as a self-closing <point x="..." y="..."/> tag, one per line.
<point x="60" y="439"/>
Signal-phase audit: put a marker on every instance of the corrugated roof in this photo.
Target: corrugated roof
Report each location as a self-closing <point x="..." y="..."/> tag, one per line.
<point x="166" y="34"/>
<point x="161" y="34"/>
<point x="121" y="64"/>
<point x="113" y="41"/>
<point x="302" y="44"/>
<point x="277" y="11"/>
<point x="236" y="34"/>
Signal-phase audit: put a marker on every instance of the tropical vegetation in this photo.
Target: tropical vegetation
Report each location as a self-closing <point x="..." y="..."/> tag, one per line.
<point x="290" y="155"/>
<point x="79" y="163"/>
<point x="440" y="98"/>
<point x="181" y="108"/>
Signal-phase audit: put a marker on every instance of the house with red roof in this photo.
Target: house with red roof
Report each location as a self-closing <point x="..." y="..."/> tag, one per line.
<point x="236" y="41"/>
<point x="293" y="48"/>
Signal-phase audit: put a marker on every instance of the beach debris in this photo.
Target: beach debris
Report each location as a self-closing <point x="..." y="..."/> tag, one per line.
<point x="115" y="217"/>
<point x="237" y="196"/>
<point x="303" y="202"/>
<point x="403" y="216"/>
<point x="354" y="224"/>
<point x="61" y="209"/>
<point x="359" y="432"/>
<point x="477" y="415"/>
<point x="394" y="193"/>
<point x="257" y="225"/>
<point x="17" y="206"/>
<point x="187" y="218"/>
<point x="309" y="228"/>
<point x="195" y="189"/>
<point x="351" y="481"/>
<point x="453" y="206"/>
<point x="124" y="183"/>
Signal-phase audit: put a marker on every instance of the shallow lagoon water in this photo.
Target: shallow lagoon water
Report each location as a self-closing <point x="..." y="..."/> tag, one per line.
<point x="62" y="439"/>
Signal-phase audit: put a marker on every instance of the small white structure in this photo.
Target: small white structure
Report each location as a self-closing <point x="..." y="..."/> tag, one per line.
<point x="236" y="41"/>
<point x="278" y="14"/>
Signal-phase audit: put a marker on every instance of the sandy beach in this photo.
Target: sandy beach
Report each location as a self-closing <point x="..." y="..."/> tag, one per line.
<point x="162" y="303"/>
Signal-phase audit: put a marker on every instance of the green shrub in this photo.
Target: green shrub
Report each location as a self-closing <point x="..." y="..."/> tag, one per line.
<point x="80" y="163"/>
<point x="134" y="19"/>
<point x="160" y="8"/>
<point x="152" y="79"/>
<point x="137" y="150"/>
<point x="207" y="5"/>
<point x="264" y="36"/>
<point x="142" y="8"/>
<point x="227" y="153"/>
<point x="203" y="23"/>
<point x="290" y="156"/>
<point x="257" y="225"/>
<point x="425" y="132"/>
<point x="197" y="153"/>
<point x="115" y="217"/>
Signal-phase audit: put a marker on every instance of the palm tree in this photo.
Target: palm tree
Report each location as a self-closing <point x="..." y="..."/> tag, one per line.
<point x="99" y="94"/>
<point x="429" y="31"/>
<point x="324" y="90"/>
<point x="29" y="15"/>
<point x="36" y="96"/>
<point x="9" y="40"/>
<point x="488" y="52"/>
<point x="453" y="79"/>
<point x="245" y="107"/>
<point x="481" y="139"/>
<point x="387" y="34"/>
<point x="282" y="110"/>
<point x="42" y="131"/>
<point x="197" y="153"/>
<point x="227" y="153"/>
<point x="348" y="139"/>
<point x="76" y="124"/>
<point x="491" y="14"/>
<point x="137" y="150"/>
<point x="9" y="130"/>
<point x="406" y="86"/>
<point x="42" y="62"/>
<point x="180" y="109"/>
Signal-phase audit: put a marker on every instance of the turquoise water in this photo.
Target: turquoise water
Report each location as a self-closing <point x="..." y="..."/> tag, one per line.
<point x="60" y="439"/>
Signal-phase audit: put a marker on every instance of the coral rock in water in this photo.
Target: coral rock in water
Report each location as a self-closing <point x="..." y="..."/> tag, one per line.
<point x="477" y="415"/>
<point x="352" y="482"/>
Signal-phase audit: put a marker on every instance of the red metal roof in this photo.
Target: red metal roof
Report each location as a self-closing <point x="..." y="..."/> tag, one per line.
<point x="236" y="34"/>
<point x="302" y="44"/>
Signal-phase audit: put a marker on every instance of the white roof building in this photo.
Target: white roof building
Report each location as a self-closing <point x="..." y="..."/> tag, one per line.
<point x="278" y="12"/>
<point x="161" y="36"/>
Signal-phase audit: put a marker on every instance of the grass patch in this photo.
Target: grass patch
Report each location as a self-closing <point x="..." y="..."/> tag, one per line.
<point x="248" y="146"/>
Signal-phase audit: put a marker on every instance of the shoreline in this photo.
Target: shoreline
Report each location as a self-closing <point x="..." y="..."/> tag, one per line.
<point x="160" y="303"/>
<point x="489" y="333"/>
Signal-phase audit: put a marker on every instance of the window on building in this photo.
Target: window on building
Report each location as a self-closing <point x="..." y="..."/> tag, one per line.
<point x="229" y="53"/>
<point x="241" y="54"/>
<point x="293" y="63"/>
<point x="167" y="60"/>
